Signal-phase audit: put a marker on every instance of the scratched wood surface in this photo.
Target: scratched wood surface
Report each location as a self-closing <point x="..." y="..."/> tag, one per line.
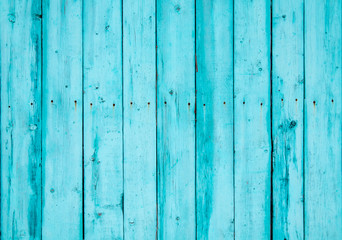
<point x="164" y="119"/>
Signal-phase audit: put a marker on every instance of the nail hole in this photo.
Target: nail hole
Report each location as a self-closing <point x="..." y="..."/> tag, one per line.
<point x="165" y="102"/>
<point x="261" y="104"/>
<point x="113" y="104"/>
<point x="296" y="99"/>
<point x="314" y="102"/>
<point x="332" y="100"/>
<point x="243" y="102"/>
<point x="188" y="104"/>
<point x="51" y="101"/>
<point x="75" y="101"/>
<point x="203" y="104"/>
<point x="282" y="100"/>
<point x="9" y="106"/>
<point x="91" y="104"/>
<point x="148" y="103"/>
<point x="224" y="102"/>
<point x="31" y="104"/>
<point x="131" y="103"/>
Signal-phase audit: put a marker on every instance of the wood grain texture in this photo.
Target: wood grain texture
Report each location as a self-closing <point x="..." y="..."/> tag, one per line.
<point x="287" y="118"/>
<point x="323" y="62"/>
<point x="214" y="130"/>
<point x="252" y="119"/>
<point x="20" y="41"/>
<point x="62" y="120"/>
<point x="103" y="155"/>
<point x="155" y="119"/>
<point x="176" y="119"/>
<point x="139" y="94"/>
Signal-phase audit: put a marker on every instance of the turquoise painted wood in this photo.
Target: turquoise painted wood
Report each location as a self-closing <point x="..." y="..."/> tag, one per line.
<point x="139" y="93"/>
<point x="176" y="108"/>
<point x="103" y="167"/>
<point x="287" y="118"/>
<point x="21" y="62"/>
<point x="157" y="119"/>
<point x="323" y="153"/>
<point x="252" y="119"/>
<point x="214" y="129"/>
<point x="62" y="120"/>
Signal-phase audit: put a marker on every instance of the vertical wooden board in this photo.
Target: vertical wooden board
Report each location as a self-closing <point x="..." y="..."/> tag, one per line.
<point x="176" y="119"/>
<point x="62" y="120"/>
<point x="323" y="62"/>
<point x="20" y="41"/>
<point x="252" y="119"/>
<point x="287" y="118"/>
<point x="139" y="61"/>
<point x="103" y="172"/>
<point x="214" y="129"/>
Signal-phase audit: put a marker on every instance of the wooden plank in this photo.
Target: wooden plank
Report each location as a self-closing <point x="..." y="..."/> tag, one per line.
<point x="20" y="43"/>
<point x="287" y="118"/>
<point x="176" y="119"/>
<point x="139" y="61"/>
<point x="252" y="119"/>
<point x="323" y="62"/>
<point x="62" y="120"/>
<point x="214" y="129"/>
<point x="103" y="168"/>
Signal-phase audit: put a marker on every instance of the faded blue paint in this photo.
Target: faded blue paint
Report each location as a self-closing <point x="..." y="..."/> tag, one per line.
<point x="171" y="120"/>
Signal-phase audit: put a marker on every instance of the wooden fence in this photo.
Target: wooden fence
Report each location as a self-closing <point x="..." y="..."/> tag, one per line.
<point x="156" y="119"/>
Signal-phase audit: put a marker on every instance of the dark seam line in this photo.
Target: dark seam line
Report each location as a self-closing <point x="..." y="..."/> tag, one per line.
<point x="41" y="119"/>
<point x="233" y="38"/>
<point x="304" y="115"/>
<point x="271" y="116"/>
<point x="122" y="124"/>
<point x="0" y="148"/>
<point x="196" y="68"/>
<point x="83" y="215"/>
<point x="156" y="116"/>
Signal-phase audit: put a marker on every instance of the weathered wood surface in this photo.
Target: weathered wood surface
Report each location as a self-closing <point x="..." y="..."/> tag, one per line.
<point x="171" y="120"/>
<point x="252" y="119"/>
<point x="214" y="130"/>
<point x="323" y="166"/>
<point x="21" y="128"/>
<point x="176" y="108"/>
<point x="62" y="120"/>
<point x="103" y="166"/>
<point x="139" y="93"/>
<point x="287" y="118"/>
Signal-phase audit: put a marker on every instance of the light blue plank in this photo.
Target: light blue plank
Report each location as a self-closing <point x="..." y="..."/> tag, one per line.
<point x="176" y="119"/>
<point x="62" y="120"/>
<point x="252" y="119"/>
<point x="139" y="60"/>
<point x="214" y="84"/>
<point x="103" y="170"/>
<point x="323" y="62"/>
<point x="287" y="104"/>
<point x="20" y="41"/>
